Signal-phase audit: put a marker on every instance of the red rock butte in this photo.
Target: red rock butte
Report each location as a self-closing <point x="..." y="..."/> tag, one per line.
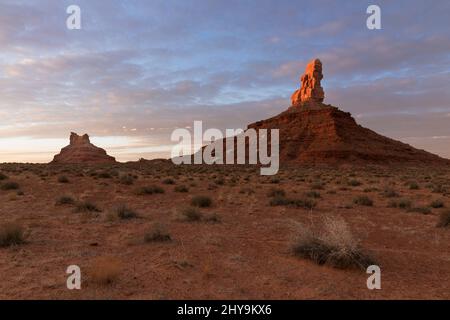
<point x="81" y="150"/>
<point x="311" y="132"/>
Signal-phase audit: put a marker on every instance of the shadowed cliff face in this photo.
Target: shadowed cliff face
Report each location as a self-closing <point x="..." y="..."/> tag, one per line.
<point x="81" y="150"/>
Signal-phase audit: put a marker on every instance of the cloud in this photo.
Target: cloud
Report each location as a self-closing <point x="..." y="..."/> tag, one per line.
<point x="156" y="65"/>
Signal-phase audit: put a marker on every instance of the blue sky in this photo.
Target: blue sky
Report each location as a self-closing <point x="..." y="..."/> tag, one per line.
<point x="139" y="69"/>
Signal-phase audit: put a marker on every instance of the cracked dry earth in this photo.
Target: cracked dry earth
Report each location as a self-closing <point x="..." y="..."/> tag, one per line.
<point x="244" y="252"/>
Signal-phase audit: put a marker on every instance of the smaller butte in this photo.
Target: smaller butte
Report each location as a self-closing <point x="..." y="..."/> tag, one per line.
<point x="81" y="150"/>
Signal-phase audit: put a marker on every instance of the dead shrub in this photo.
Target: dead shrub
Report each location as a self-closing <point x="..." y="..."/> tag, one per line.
<point x="11" y="234"/>
<point x="334" y="245"/>
<point x="158" y="233"/>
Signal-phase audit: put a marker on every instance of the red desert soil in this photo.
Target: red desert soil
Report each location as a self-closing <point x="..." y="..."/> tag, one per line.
<point x="247" y="255"/>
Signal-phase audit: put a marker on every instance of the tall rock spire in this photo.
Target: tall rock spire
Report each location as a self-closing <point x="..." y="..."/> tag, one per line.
<point x="310" y="92"/>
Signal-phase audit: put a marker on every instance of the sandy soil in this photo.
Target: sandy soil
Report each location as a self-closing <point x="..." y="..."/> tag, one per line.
<point x="247" y="255"/>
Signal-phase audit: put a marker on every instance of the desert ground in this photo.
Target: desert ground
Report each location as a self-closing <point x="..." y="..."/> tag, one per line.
<point x="153" y="230"/>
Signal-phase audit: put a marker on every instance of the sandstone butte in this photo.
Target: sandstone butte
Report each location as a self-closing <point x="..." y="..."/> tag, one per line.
<point x="314" y="133"/>
<point x="81" y="150"/>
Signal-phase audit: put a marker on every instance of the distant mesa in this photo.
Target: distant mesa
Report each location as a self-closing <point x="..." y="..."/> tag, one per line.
<point x="81" y="150"/>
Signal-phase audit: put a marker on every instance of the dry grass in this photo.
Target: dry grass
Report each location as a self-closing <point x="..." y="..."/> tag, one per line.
<point x="363" y="201"/>
<point x="11" y="234"/>
<point x="125" y="213"/>
<point x="149" y="190"/>
<point x="158" y="233"/>
<point x="191" y="214"/>
<point x="334" y="245"/>
<point x="64" y="200"/>
<point x="201" y="201"/>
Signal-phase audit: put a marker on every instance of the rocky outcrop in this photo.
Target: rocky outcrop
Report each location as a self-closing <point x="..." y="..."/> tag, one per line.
<point x="81" y="150"/>
<point x="311" y="92"/>
<point x="314" y="132"/>
<point x="311" y="132"/>
<point x="331" y="136"/>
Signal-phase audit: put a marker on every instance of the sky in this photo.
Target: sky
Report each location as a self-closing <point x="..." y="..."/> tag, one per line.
<point x="137" y="70"/>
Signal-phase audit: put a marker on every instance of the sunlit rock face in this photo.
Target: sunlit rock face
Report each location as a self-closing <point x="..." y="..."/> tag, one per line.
<point x="311" y="91"/>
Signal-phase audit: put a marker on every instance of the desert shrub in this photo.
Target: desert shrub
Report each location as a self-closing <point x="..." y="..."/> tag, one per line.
<point x="11" y="234"/>
<point x="3" y="176"/>
<point x="181" y="188"/>
<point x="219" y="181"/>
<point x="422" y="210"/>
<point x="64" y="200"/>
<point x="439" y="188"/>
<point x="201" y="201"/>
<point x="126" y="179"/>
<point x="354" y="183"/>
<point x="313" y="194"/>
<point x="414" y="186"/>
<point x="104" y="175"/>
<point x="63" y="179"/>
<point x="304" y="203"/>
<point x="334" y="246"/>
<point x="279" y="200"/>
<point x="168" y="181"/>
<point x="444" y="219"/>
<point x="390" y="193"/>
<point x="437" y="204"/>
<point x="86" y="206"/>
<point x="275" y="180"/>
<point x="191" y="214"/>
<point x="10" y="185"/>
<point x="299" y="203"/>
<point x="149" y="190"/>
<point x="158" y="233"/>
<point x="276" y="192"/>
<point x="404" y="204"/>
<point x="105" y="270"/>
<point x="125" y="213"/>
<point x="363" y="201"/>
